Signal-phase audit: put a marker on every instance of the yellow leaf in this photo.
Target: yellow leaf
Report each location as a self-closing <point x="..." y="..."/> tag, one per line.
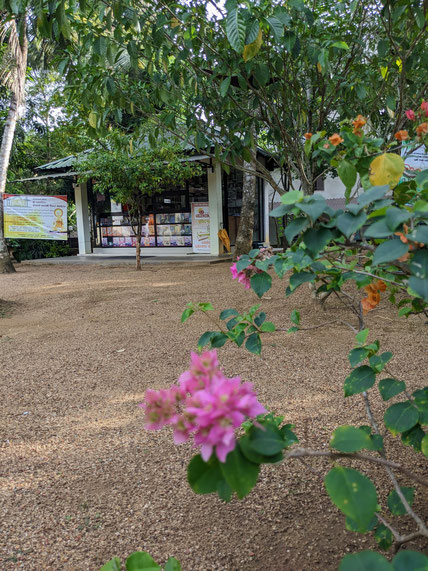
<point x="174" y="22"/>
<point x="250" y="50"/>
<point x="384" y="72"/>
<point x="93" y="119"/>
<point x="391" y="113"/>
<point x="319" y="67"/>
<point x="399" y="64"/>
<point x="386" y="169"/>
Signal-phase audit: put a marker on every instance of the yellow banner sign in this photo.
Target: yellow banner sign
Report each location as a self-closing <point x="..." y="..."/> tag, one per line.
<point x="35" y="217"/>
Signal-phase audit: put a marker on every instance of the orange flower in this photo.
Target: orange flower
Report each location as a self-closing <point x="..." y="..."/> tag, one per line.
<point x="402" y="237"/>
<point x="335" y="139"/>
<point x="366" y="305"/>
<point x="422" y="129"/>
<point x="401" y="135"/>
<point x="307" y="136"/>
<point x="359" y="122"/>
<point x="373" y="295"/>
<point x="404" y="257"/>
<point x="326" y="146"/>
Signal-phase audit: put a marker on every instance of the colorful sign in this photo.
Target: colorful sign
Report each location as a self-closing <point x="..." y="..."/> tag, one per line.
<point x="35" y="217"/>
<point x="201" y="227"/>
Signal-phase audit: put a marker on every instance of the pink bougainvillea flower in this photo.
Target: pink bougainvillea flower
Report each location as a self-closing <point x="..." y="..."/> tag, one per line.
<point x="410" y="114"/>
<point x="234" y="271"/>
<point x="424" y="107"/>
<point x="205" y="404"/>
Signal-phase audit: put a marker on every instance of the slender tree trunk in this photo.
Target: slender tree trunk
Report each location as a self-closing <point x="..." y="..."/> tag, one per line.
<point x="20" y="51"/>
<point x="6" y="265"/>
<point x="138" y="252"/>
<point x="244" y="239"/>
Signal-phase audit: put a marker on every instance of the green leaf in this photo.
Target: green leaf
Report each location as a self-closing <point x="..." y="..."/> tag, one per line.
<point x="352" y="526"/>
<point x="378" y="229"/>
<point x="235" y="29"/>
<point x="361" y="379"/>
<point x="281" y="210"/>
<point x="295" y="317"/>
<point x="388" y="388"/>
<point x="420" y="234"/>
<point x="186" y="314"/>
<point x="384" y="537"/>
<point x="292" y="196"/>
<point x="268" y="327"/>
<point x="419" y="264"/>
<point x="378" y="362"/>
<point x="228" y="313"/>
<point x="253" y="32"/>
<point x="353" y="493"/>
<point x="357" y="355"/>
<point x="365" y="561"/>
<point x="172" y="565"/>
<point x="347" y="173"/>
<point x="348" y="224"/>
<point x="255" y="457"/>
<point x="113" y="565"/>
<point x="266" y="440"/>
<point x="424" y="445"/>
<point x="299" y="278"/>
<point x="141" y="560"/>
<point x="407" y="560"/>
<point x="395" y="505"/>
<point x="224" y="86"/>
<point x="373" y="194"/>
<point x="400" y="417"/>
<point x="396" y="216"/>
<point x="389" y="251"/>
<point x="361" y="336"/>
<point x="276" y="27"/>
<point x="413" y="437"/>
<point x="206" y="306"/>
<point x="204" y="339"/>
<point x="243" y="263"/>
<point x="419" y="286"/>
<point x="316" y="239"/>
<point x="204" y="477"/>
<point x="341" y="45"/>
<point x="295" y="227"/>
<point x="350" y="439"/>
<point x="260" y="318"/>
<point x="253" y="344"/>
<point x="240" y="473"/>
<point x="218" y="339"/>
<point x="313" y="207"/>
<point x="261" y="283"/>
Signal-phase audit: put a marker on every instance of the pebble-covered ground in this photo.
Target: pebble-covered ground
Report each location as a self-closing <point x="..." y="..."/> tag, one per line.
<point x="82" y="481"/>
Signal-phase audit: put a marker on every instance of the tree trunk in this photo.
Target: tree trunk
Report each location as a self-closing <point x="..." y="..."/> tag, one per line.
<point x="138" y="252"/>
<point x="244" y="239"/>
<point x="6" y="265"/>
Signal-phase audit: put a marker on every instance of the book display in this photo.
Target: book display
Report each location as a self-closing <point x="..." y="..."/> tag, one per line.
<point x="173" y="229"/>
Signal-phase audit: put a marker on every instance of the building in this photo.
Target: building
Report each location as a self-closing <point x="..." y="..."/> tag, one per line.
<point x="103" y="225"/>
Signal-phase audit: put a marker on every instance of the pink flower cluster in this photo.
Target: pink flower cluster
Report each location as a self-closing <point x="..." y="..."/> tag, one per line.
<point x="205" y="404"/>
<point x="244" y="276"/>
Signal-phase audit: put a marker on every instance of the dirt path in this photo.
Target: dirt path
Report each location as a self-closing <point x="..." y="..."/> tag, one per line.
<point x="81" y="481"/>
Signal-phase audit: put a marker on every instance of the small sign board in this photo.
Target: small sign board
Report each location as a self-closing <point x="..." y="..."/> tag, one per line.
<point x="201" y="227"/>
<point x="35" y="217"/>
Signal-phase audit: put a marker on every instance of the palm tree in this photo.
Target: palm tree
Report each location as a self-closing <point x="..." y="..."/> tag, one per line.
<point x="12" y="76"/>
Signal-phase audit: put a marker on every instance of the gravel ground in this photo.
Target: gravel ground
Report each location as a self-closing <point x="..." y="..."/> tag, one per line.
<point x="82" y="481"/>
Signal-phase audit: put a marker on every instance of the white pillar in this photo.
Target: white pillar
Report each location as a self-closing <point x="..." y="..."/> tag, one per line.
<point x="266" y="209"/>
<point x="216" y="208"/>
<point x="82" y="218"/>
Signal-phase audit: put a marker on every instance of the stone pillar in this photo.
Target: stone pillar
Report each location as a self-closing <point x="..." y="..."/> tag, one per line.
<point x="216" y="208"/>
<point x="82" y="218"/>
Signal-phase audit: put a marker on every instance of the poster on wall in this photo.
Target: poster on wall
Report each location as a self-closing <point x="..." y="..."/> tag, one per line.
<point x="201" y="227"/>
<point x="35" y="217"/>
